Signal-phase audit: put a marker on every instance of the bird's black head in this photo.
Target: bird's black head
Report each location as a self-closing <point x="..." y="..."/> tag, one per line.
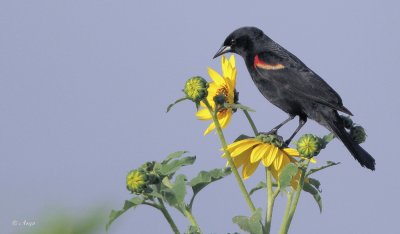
<point x="241" y="41"/>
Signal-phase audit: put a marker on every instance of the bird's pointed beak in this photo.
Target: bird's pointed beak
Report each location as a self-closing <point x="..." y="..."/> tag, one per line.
<point x="223" y="50"/>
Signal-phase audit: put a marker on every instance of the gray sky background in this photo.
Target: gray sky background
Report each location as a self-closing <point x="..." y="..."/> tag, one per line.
<point x="84" y="86"/>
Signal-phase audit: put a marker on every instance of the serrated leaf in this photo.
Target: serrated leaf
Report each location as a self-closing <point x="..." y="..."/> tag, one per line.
<point x="176" y="102"/>
<point x="328" y="164"/>
<point x="315" y="183"/>
<point x="132" y="203"/>
<point x="259" y="186"/>
<point x="175" y="192"/>
<point x="250" y="224"/>
<point x="315" y="193"/>
<point x="174" y="155"/>
<point x="287" y="174"/>
<point x="204" y="178"/>
<point x="172" y="166"/>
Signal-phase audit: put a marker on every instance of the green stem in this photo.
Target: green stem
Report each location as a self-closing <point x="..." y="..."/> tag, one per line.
<point x="192" y="220"/>
<point x="271" y="196"/>
<point x="228" y="156"/>
<point x="286" y="223"/>
<point x="253" y="126"/>
<point x="287" y="210"/>
<point x="167" y="216"/>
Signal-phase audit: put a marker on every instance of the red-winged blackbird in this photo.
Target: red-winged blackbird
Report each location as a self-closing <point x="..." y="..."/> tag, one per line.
<point x="290" y="85"/>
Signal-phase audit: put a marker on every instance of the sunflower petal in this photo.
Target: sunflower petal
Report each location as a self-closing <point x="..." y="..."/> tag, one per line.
<point x="209" y="129"/>
<point x="272" y="155"/>
<point x="232" y="61"/>
<point x="225" y="119"/>
<point x="240" y="149"/>
<point x="233" y="77"/>
<point x="256" y="154"/>
<point x="279" y="159"/>
<point x="291" y="152"/>
<point x="285" y="162"/>
<point x="239" y="161"/>
<point x="234" y="145"/>
<point x="215" y="76"/>
<point x="203" y="114"/>
<point x="274" y="173"/>
<point x="248" y="169"/>
<point x="224" y="65"/>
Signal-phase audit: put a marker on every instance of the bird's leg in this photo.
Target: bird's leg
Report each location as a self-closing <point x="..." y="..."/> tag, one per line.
<point x="275" y="129"/>
<point x="302" y="121"/>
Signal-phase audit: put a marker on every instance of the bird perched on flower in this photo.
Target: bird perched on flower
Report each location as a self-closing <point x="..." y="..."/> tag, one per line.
<point x="290" y="85"/>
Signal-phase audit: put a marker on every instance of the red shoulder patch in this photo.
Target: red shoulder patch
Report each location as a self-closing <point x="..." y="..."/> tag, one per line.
<point x="267" y="66"/>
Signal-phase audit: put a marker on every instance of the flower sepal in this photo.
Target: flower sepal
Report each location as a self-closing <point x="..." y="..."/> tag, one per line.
<point x="236" y="106"/>
<point x="271" y="139"/>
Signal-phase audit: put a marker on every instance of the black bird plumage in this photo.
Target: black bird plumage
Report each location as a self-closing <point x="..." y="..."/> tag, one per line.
<point x="289" y="84"/>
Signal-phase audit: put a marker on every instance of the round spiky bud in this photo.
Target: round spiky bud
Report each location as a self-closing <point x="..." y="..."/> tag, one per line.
<point x="309" y="145"/>
<point x="358" y="134"/>
<point x="196" y="89"/>
<point x="136" y="181"/>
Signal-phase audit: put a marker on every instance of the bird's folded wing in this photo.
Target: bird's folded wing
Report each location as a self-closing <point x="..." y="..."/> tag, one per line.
<point x="288" y="72"/>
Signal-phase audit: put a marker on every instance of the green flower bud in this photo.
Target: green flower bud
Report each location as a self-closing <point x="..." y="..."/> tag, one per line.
<point x="309" y="145"/>
<point x="358" y="134"/>
<point x="196" y="89"/>
<point x="136" y="181"/>
<point x="348" y="123"/>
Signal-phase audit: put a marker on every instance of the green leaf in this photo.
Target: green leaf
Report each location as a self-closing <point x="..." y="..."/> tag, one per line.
<point x="327" y="138"/>
<point x="167" y="183"/>
<point x="174" y="155"/>
<point x="287" y="174"/>
<point x="238" y="106"/>
<point x="172" y="166"/>
<point x="251" y="224"/>
<point x="174" y="193"/>
<point x="176" y="102"/>
<point x="328" y="164"/>
<point x="315" y="193"/>
<point x="132" y="203"/>
<point x="315" y="183"/>
<point x="204" y="178"/>
<point x="259" y="186"/>
<point x="155" y="194"/>
<point x="241" y="137"/>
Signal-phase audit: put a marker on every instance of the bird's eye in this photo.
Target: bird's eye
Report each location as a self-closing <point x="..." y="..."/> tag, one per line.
<point x="233" y="42"/>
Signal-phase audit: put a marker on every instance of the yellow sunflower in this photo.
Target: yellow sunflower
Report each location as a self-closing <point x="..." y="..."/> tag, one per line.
<point x="221" y="86"/>
<point x="250" y="152"/>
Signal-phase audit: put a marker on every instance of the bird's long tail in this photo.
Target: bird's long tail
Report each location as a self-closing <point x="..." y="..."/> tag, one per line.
<point x="336" y="125"/>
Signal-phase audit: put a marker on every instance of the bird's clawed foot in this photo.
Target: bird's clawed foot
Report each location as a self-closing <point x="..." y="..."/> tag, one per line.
<point x="286" y="143"/>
